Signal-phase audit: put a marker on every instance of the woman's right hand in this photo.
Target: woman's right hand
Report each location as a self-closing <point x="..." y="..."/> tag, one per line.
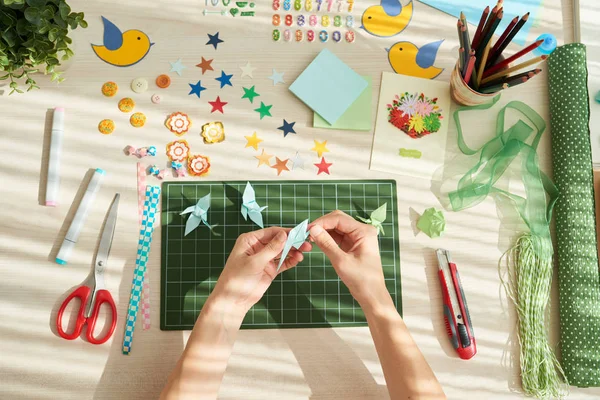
<point x="353" y="249"/>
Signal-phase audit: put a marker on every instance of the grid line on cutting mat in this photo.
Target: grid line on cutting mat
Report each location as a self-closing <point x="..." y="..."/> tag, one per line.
<point x="310" y="295"/>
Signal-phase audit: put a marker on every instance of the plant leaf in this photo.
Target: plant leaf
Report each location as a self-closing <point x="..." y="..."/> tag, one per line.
<point x="32" y="14"/>
<point x="5" y="77"/>
<point x="83" y="24"/>
<point x="64" y="9"/>
<point x="36" y="3"/>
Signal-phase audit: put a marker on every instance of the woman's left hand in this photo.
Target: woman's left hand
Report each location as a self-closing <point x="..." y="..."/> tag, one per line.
<point x="252" y="266"/>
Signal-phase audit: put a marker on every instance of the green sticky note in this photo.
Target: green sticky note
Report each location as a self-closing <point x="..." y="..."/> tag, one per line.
<point x="356" y="118"/>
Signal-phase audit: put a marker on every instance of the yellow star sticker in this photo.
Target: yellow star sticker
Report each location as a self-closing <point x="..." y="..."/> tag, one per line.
<point x="320" y="148"/>
<point x="253" y="141"/>
<point x="264" y="159"/>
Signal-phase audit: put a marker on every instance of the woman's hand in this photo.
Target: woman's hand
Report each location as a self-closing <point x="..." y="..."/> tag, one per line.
<point x="353" y="249"/>
<point x="252" y="266"/>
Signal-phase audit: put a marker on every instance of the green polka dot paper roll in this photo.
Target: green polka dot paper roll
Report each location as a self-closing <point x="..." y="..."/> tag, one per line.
<point x="578" y="276"/>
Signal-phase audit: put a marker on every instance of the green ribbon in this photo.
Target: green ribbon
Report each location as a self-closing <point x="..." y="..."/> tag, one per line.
<point x="496" y="156"/>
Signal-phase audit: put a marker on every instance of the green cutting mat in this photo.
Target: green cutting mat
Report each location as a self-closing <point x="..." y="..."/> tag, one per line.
<point x="310" y="295"/>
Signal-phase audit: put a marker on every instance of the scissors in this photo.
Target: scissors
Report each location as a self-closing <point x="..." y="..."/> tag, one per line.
<point x="93" y="295"/>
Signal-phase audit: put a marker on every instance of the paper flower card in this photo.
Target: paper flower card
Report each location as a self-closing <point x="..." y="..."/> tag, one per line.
<point x="411" y="127"/>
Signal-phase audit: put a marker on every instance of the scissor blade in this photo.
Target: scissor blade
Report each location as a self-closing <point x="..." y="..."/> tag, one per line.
<point x="107" y="233"/>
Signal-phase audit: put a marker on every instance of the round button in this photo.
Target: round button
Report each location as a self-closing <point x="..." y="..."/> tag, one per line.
<point x="156" y="98"/>
<point x="139" y="85"/>
<point x="163" y="81"/>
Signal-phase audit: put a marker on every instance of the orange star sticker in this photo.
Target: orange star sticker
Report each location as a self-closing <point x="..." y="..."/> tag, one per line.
<point x="264" y="158"/>
<point x="205" y="65"/>
<point x="253" y="141"/>
<point x="280" y="165"/>
<point x="323" y="166"/>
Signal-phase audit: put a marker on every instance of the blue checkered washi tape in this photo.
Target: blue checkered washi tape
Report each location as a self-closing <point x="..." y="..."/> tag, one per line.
<point x="148" y="220"/>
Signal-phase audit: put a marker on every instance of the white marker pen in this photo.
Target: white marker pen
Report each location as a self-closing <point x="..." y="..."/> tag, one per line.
<point x="58" y="120"/>
<point x="80" y="215"/>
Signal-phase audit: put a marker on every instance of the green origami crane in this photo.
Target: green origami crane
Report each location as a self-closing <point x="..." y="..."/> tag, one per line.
<point x="376" y="219"/>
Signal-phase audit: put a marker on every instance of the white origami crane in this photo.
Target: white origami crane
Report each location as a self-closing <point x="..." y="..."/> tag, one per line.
<point x="250" y="207"/>
<point x="198" y="215"/>
<point x="296" y="238"/>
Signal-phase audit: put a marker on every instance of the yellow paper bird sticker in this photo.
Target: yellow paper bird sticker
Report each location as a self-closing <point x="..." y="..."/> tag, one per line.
<point x="122" y="49"/>
<point x="387" y="19"/>
<point x="408" y="59"/>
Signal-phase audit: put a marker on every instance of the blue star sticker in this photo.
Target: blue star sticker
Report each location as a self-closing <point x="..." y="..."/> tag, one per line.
<point x="288" y="127"/>
<point x="197" y="88"/>
<point x="214" y="40"/>
<point x="224" y="79"/>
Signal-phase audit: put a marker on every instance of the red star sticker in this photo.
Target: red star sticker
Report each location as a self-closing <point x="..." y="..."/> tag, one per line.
<point x="205" y="65"/>
<point x="217" y="105"/>
<point x="280" y="165"/>
<point x="323" y="166"/>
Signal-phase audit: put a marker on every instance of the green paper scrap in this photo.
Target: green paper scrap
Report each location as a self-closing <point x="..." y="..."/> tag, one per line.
<point x="358" y="115"/>
<point x="578" y="276"/>
<point x="432" y="223"/>
<point x="377" y="218"/>
<point x="410" y="153"/>
<point x="328" y="86"/>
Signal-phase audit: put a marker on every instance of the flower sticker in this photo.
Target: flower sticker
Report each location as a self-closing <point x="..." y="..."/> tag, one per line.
<point x="198" y="165"/>
<point x="213" y="132"/>
<point x="178" y="123"/>
<point x="178" y="150"/>
<point x="415" y="114"/>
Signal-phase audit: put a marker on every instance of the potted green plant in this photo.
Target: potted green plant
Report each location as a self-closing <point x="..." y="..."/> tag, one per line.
<point x="33" y="37"/>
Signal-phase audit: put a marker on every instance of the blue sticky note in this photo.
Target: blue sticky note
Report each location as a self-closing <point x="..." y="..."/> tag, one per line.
<point x="473" y="9"/>
<point x="328" y="86"/>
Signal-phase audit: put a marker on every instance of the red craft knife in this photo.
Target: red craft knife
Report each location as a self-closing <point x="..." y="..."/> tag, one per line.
<point x="456" y="312"/>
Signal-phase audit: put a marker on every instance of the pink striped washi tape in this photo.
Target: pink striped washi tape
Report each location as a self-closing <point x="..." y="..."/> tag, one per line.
<point x="141" y="186"/>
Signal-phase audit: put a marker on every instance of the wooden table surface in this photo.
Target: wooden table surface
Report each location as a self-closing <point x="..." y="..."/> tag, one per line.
<point x="266" y="364"/>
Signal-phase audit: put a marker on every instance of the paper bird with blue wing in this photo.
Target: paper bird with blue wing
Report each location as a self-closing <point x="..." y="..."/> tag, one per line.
<point x="377" y="218"/>
<point x="122" y="49"/>
<point x="387" y="19"/>
<point x="296" y="238"/>
<point x="408" y="59"/>
<point x="250" y="207"/>
<point x="198" y="215"/>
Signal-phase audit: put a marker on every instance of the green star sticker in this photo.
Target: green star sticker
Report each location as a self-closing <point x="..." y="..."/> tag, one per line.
<point x="264" y="110"/>
<point x="250" y="94"/>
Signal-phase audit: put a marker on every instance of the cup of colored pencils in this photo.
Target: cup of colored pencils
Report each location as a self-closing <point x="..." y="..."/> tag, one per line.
<point x="482" y="70"/>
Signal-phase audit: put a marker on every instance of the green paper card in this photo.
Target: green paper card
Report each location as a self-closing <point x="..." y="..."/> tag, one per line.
<point x="356" y="118"/>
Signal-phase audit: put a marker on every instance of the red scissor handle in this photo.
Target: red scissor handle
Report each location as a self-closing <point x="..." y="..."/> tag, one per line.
<point x="102" y="296"/>
<point x="82" y="293"/>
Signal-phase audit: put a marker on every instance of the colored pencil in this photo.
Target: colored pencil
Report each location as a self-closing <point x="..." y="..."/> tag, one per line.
<point x="465" y="35"/>
<point x="510" y="37"/>
<point x="461" y="58"/>
<point x="507" y="71"/>
<point x="504" y="64"/>
<point x="488" y="36"/>
<point x="463" y="19"/>
<point x="501" y="40"/>
<point x="482" y="21"/>
<point x="507" y="79"/>
<point x="494" y="89"/>
<point x="470" y="66"/>
<point x="486" y="29"/>
<point x="486" y="52"/>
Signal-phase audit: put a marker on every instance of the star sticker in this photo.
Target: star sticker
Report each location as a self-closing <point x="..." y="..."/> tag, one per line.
<point x="224" y="79"/>
<point x="264" y="110"/>
<point x="277" y="77"/>
<point x="177" y="66"/>
<point x="250" y="94"/>
<point x="323" y="166"/>
<point x="253" y="141"/>
<point x="264" y="158"/>
<point x="280" y="165"/>
<point x="214" y="40"/>
<point x="217" y="105"/>
<point x="320" y="148"/>
<point x="298" y="162"/>
<point x="287" y="127"/>
<point x="206" y="65"/>
<point x="197" y="88"/>
<point x="247" y="70"/>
